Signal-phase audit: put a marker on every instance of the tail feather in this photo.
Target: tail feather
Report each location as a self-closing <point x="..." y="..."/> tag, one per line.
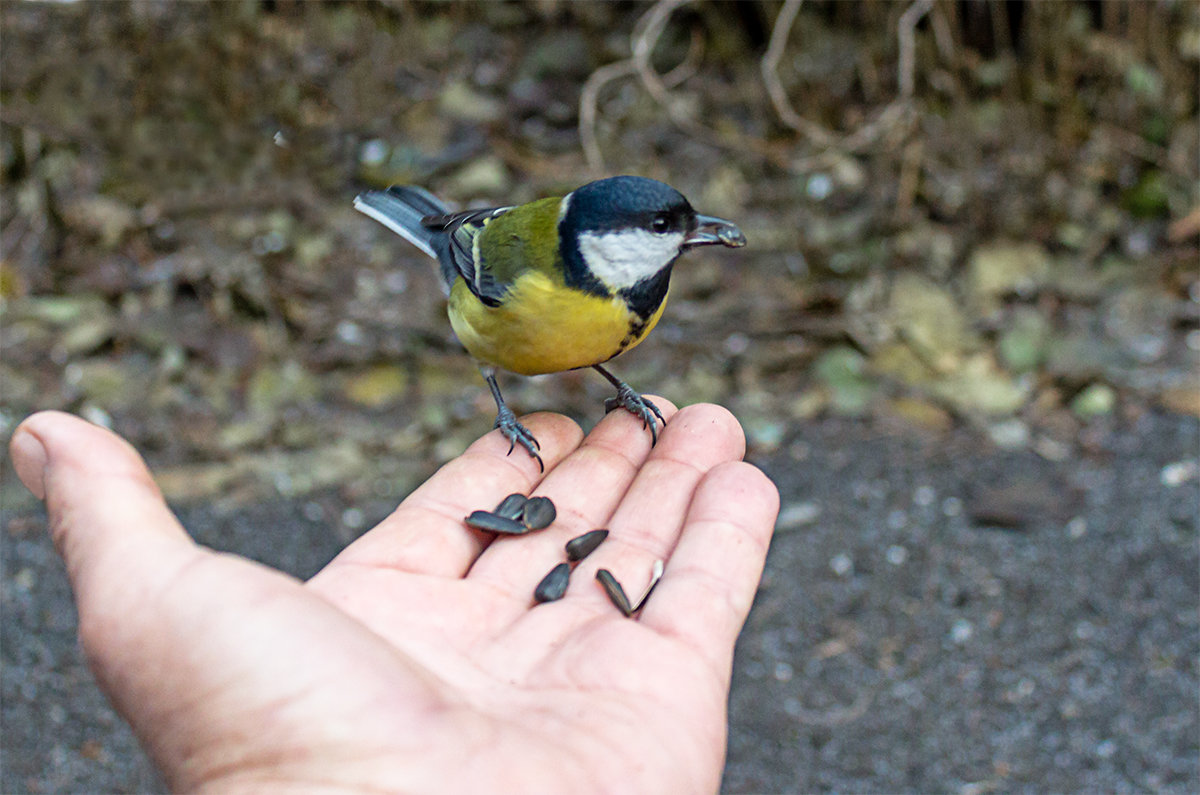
<point x="401" y="208"/>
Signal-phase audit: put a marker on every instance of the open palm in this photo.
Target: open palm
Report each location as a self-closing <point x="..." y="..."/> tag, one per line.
<point x="416" y="660"/>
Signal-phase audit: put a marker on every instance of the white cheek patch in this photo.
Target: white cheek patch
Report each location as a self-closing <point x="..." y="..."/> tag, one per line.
<point x="622" y="259"/>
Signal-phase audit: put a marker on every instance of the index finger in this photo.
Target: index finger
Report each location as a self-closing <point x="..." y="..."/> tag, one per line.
<point x="426" y="533"/>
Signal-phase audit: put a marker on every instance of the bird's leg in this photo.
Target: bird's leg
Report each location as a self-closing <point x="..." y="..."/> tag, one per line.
<point x="631" y="401"/>
<point x="506" y="421"/>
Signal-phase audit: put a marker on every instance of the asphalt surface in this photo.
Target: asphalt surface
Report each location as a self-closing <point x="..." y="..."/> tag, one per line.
<point x="936" y="615"/>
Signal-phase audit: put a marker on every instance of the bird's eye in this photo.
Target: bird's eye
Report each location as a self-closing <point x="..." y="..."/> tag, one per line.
<point x="660" y="225"/>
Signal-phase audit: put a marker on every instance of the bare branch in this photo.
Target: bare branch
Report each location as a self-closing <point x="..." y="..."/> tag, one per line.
<point x="589" y="99"/>
<point x="896" y="113"/>
<point x="904" y="32"/>
<point x="817" y="134"/>
<point x="646" y="33"/>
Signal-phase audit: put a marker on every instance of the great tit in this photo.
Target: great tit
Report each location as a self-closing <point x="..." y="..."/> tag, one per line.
<point x="556" y="284"/>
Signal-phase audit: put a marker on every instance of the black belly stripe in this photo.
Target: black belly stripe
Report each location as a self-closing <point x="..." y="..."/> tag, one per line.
<point x="637" y="327"/>
<point x="645" y="297"/>
<point x="643" y="300"/>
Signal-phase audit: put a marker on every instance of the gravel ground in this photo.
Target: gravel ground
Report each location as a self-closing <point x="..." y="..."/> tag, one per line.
<point x="899" y="644"/>
<point x="902" y="639"/>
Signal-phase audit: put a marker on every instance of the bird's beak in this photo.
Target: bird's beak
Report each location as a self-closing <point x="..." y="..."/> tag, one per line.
<point x="710" y="231"/>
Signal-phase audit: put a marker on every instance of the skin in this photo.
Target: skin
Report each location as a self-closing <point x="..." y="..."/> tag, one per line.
<point x="415" y="661"/>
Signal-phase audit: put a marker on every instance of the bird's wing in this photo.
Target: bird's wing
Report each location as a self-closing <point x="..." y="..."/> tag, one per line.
<point x="461" y="230"/>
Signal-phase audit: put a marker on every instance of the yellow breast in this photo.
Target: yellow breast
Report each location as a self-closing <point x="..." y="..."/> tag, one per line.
<point x="545" y="327"/>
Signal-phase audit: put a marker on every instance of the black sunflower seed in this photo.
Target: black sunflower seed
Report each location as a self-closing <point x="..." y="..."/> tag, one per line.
<point x="486" y="520"/>
<point x="614" y="590"/>
<point x="511" y="506"/>
<point x="579" y="548"/>
<point x="539" y="513"/>
<point x="553" y="585"/>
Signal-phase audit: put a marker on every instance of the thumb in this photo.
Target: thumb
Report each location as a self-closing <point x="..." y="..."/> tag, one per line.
<point x="222" y="666"/>
<point x="122" y="548"/>
<point x="107" y="517"/>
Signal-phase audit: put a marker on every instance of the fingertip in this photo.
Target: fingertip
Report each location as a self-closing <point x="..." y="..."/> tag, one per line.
<point x="555" y="437"/>
<point x="559" y="433"/>
<point x="628" y="434"/>
<point x="705" y="425"/>
<point x="29" y="459"/>
<point x="96" y="487"/>
<point x="716" y="418"/>
<point x="744" y="486"/>
<point x="72" y="446"/>
<point x="49" y="440"/>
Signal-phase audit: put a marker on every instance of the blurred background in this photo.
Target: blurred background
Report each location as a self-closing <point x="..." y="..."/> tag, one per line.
<point x="963" y="339"/>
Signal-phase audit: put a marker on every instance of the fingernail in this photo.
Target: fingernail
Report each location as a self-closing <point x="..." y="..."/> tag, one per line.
<point x="29" y="460"/>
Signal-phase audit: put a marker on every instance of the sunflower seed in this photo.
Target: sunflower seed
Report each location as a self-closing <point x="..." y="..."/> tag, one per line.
<point x="614" y="590"/>
<point x="486" y="520"/>
<point x="553" y="585"/>
<point x="579" y="548"/>
<point x="656" y="574"/>
<point x="511" y="507"/>
<point x="539" y="512"/>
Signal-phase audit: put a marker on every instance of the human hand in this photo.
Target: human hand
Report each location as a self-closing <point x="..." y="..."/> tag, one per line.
<point x="414" y="661"/>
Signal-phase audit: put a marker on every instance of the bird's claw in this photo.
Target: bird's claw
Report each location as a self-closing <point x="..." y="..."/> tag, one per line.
<point x="641" y="407"/>
<point x="516" y="433"/>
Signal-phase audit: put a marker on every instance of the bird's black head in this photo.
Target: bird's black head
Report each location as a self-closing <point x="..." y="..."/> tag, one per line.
<point x="621" y="236"/>
<point x="620" y="204"/>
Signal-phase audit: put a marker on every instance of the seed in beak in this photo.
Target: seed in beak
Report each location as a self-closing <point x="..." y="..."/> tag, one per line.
<point x="539" y="513"/>
<point x="579" y="548"/>
<point x="486" y="520"/>
<point x="553" y="585"/>
<point x="511" y="507"/>
<point x="712" y="231"/>
<point x="615" y="592"/>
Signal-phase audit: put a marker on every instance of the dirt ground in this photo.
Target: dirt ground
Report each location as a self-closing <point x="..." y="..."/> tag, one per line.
<point x="963" y="339"/>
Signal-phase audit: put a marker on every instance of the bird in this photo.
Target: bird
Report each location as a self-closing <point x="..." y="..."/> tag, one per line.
<point x="559" y="283"/>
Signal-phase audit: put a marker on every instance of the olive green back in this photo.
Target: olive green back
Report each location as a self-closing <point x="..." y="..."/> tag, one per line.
<point x="524" y="238"/>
